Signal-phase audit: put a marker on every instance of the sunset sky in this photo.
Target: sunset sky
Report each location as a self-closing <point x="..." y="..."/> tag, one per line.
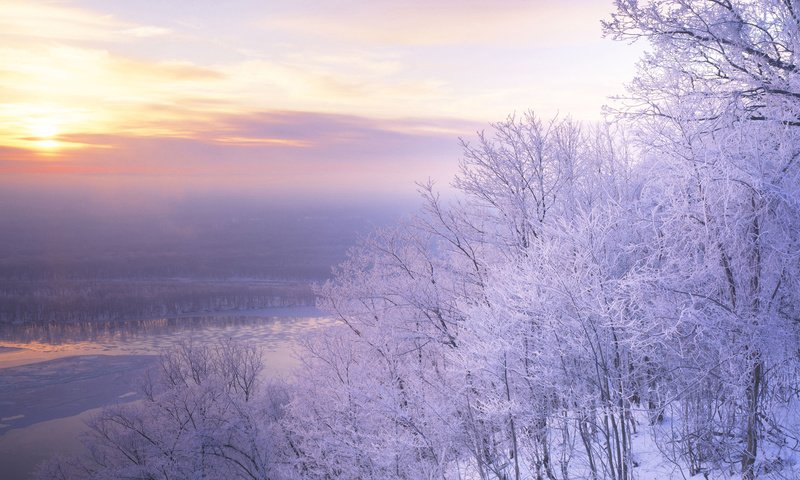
<point x="253" y="94"/>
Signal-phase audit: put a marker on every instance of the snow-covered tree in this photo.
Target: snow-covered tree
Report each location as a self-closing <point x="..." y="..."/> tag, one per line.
<point x="204" y="415"/>
<point x="586" y="284"/>
<point x="717" y="103"/>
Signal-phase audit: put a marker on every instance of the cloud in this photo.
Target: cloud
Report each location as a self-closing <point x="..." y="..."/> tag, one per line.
<point x="146" y="31"/>
<point x="421" y="23"/>
<point x="53" y="21"/>
<point x="280" y="151"/>
<point x="64" y="90"/>
<point x="90" y="90"/>
<point x="72" y="76"/>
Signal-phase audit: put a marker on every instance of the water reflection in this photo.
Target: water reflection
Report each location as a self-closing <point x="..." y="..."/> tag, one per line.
<point x="52" y="371"/>
<point x="97" y="363"/>
<point x="275" y="330"/>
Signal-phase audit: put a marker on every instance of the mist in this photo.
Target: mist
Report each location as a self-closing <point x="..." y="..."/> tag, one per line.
<point x="121" y="248"/>
<point x="141" y="231"/>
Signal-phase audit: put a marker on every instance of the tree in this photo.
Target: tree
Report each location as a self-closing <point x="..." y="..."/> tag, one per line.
<point x="717" y="102"/>
<point x="718" y="57"/>
<point x="586" y="283"/>
<point x="453" y="317"/>
<point x="204" y="415"/>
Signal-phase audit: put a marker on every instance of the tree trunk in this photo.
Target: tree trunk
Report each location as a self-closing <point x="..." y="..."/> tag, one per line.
<point x="751" y="432"/>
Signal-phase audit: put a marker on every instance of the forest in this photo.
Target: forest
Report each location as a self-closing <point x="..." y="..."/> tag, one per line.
<point x="615" y="301"/>
<point x="88" y="264"/>
<point x="76" y="300"/>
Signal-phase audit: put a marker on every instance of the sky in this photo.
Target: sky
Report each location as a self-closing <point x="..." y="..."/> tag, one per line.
<point x="326" y="97"/>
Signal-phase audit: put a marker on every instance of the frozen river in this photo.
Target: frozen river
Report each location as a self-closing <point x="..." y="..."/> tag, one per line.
<point x="54" y="377"/>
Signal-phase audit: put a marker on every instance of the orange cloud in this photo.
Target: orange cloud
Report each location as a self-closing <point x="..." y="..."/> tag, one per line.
<point x="276" y="151"/>
<point x="71" y="76"/>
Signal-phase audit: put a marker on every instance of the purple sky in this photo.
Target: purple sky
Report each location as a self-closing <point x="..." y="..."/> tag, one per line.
<point x="331" y="96"/>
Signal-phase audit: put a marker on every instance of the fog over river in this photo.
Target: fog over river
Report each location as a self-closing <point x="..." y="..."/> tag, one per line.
<point x="96" y="281"/>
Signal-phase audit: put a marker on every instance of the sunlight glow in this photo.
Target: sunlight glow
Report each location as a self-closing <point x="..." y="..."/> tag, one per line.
<point x="43" y="133"/>
<point x="43" y="128"/>
<point x="76" y="78"/>
<point x="40" y="127"/>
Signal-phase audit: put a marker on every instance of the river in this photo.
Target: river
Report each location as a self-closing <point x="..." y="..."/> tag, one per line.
<point x="55" y="376"/>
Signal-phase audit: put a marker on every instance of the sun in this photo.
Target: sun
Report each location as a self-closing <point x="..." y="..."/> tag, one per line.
<point x="43" y="134"/>
<point x="44" y="129"/>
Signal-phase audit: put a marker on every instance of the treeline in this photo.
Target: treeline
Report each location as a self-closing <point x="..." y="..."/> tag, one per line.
<point x="199" y="239"/>
<point x="57" y="333"/>
<point x="309" y="262"/>
<point x="113" y="300"/>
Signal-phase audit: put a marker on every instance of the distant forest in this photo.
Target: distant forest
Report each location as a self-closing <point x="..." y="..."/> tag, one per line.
<point x="77" y="266"/>
<point x="94" y="300"/>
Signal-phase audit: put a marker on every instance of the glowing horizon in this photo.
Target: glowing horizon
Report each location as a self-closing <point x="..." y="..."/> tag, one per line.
<point x="88" y="85"/>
